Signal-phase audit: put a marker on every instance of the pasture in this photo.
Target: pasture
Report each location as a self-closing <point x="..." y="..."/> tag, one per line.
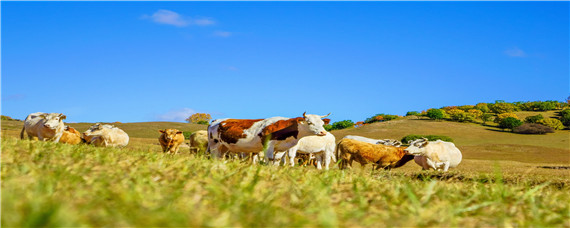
<point x="499" y="183"/>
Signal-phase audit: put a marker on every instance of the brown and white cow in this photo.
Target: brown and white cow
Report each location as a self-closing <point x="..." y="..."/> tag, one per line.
<point x="170" y="140"/>
<point x="70" y="136"/>
<point x="44" y="126"/>
<point x="254" y="135"/>
<point x="382" y="156"/>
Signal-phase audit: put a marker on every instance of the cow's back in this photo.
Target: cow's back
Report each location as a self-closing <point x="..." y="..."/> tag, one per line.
<point x="441" y="151"/>
<point x="70" y="136"/>
<point x="199" y="140"/>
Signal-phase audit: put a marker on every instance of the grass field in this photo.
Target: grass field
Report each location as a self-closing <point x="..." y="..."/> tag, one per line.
<point x="499" y="183"/>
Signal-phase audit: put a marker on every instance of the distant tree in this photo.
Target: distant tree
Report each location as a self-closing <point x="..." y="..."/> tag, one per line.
<point x="502" y="107"/>
<point x="342" y="125"/>
<point x="483" y="107"/>
<point x="510" y="123"/>
<point x="412" y="113"/>
<point x="533" y="119"/>
<point x="500" y="117"/>
<point x="475" y="113"/>
<point x="435" y="114"/>
<point x="486" y="117"/>
<point x="199" y="118"/>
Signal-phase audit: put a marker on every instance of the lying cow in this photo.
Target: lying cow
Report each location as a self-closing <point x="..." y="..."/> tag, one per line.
<point x="199" y="141"/>
<point x="70" y="136"/>
<point x="388" y="142"/>
<point x="170" y="140"/>
<point x="322" y="147"/>
<point x="381" y="156"/>
<point x="44" y="126"/>
<point x="105" y="135"/>
<point x="269" y="135"/>
<point x="437" y="155"/>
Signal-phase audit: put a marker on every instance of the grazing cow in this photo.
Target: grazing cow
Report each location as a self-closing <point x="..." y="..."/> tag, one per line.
<point x="104" y="135"/>
<point x="70" y="136"/>
<point x="44" y="126"/>
<point x="382" y="156"/>
<point x="269" y="135"/>
<point x="437" y="155"/>
<point x="388" y="142"/>
<point x="320" y="146"/>
<point x="170" y="140"/>
<point x="199" y="141"/>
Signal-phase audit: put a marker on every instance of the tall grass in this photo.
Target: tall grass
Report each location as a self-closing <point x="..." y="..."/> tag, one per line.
<point x="49" y="184"/>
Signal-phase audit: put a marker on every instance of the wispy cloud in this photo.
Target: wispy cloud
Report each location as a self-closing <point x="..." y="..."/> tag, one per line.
<point x="168" y="17"/>
<point x="222" y="34"/>
<point x="14" y="97"/>
<point x="176" y="115"/>
<point x="515" y="52"/>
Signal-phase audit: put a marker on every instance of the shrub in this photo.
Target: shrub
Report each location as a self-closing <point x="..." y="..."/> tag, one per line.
<point x="500" y="117"/>
<point x="3" y="117"/>
<point x="412" y="113"/>
<point x="407" y="138"/>
<point x="533" y="119"/>
<point x="510" y="123"/>
<point x="500" y="107"/>
<point x="465" y="107"/>
<point x="482" y="107"/>
<point x="533" y="128"/>
<point x="205" y="122"/>
<point x="486" y="117"/>
<point x="545" y="105"/>
<point x="525" y="106"/>
<point x="459" y="115"/>
<point x="475" y="113"/>
<point x="342" y="125"/>
<point x="380" y="118"/>
<point x="435" y="114"/>
<point x="553" y="123"/>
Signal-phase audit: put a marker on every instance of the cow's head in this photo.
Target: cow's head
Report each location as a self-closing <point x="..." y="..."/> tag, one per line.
<point x="170" y="134"/>
<point x="96" y="129"/>
<point x="312" y="124"/>
<point x="417" y="147"/>
<point x="53" y="121"/>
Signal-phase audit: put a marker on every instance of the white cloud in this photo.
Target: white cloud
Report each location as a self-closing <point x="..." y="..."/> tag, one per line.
<point x="168" y="17"/>
<point x="176" y="115"/>
<point x="222" y="34"/>
<point x="515" y="52"/>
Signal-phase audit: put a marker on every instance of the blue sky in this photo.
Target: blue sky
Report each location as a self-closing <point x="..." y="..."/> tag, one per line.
<point x="162" y="61"/>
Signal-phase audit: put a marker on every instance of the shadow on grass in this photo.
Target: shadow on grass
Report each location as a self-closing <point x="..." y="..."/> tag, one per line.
<point x="456" y="177"/>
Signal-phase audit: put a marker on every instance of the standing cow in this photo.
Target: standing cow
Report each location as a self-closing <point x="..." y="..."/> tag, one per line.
<point x="320" y="146"/>
<point x="170" y="140"/>
<point x="437" y="155"/>
<point x="269" y="135"/>
<point x="44" y="126"/>
<point x="199" y="141"/>
<point x="105" y="135"/>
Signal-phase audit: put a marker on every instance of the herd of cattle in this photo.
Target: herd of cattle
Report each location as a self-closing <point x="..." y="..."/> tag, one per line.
<point x="270" y="139"/>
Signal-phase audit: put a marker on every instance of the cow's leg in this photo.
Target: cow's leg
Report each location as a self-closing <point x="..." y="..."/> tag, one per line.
<point x="269" y="150"/>
<point x="278" y="157"/>
<point x="327" y="159"/>
<point x="319" y="159"/>
<point x="292" y="155"/>
<point x="446" y="166"/>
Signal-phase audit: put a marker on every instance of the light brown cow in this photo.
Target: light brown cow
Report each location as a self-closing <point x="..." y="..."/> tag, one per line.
<point x="170" y="140"/>
<point x="105" y="135"/>
<point x="70" y="136"/>
<point x="381" y="156"/>
<point x="199" y="141"/>
<point x="43" y="126"/>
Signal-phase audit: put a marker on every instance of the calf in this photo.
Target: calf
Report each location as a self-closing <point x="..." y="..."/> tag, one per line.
<point x="70" y="136"/>
<point x="44" y="126"/>
<point x="104" y="135"/>
<point x="381" y="156"/>
<point x="437" y="155"/>
<point x="320" y="146"/>
<point x="199" y="141"/>
<point x="170" y="140"/>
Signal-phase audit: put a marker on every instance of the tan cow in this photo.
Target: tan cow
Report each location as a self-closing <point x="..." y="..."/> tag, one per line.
<point x="170" y="140"/>
<point x="70" y="136"/>
<point x="381" y="156"/>
<point x="43" y="126"/>
<point x="105" y="135"/>
<point x="199" y="141"/>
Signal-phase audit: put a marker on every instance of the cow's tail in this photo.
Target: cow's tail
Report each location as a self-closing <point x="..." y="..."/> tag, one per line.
<point x="339" y="159"/>
<point x="22" y="132"/>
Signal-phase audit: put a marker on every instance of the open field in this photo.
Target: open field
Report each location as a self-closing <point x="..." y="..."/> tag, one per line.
<point x="499" y="183"/>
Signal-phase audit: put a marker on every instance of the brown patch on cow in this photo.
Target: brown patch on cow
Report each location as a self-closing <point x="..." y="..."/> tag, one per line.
<point x="231" y="130"/>
<point x="327" y="121"/>
<point x="281" y="129"/>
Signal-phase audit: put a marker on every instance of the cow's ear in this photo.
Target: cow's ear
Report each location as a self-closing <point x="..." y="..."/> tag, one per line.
<point x="301" y="121"/>
<point x="327" y="121"/>
<point x="424" y="144"/>
<point x="179" y="132"/>
<point x="62" y="117"/>
<point x="161" y="131"/>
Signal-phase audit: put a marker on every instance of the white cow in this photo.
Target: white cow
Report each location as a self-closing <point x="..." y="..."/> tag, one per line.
<point x="322" y="147"/>
<point x="105" y="135"/>
<point x="387" y="142"/>
<point x="44" y="126"/>
<point x="438" y="155"/>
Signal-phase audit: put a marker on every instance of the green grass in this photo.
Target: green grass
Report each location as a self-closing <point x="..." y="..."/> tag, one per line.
<point x="49" y="184"/>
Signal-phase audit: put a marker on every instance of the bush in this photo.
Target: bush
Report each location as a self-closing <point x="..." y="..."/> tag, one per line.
<point x="533" y="119"/>
<point x="510" y="123"/>
<point x="546" y="105"/>
<point x="380" y="118"/>
<point x="205" y="122"/>
<point x="500" y="117"/>
<point x="533" y="128"/>
<point x="483" y="107"/>
<point x="553" y="123"/>
<point x="459" y="115"/>
<point x="435" y="114"/>
<point x="341" y="125"/>
<point x="500" y="107"/>
<point x="466" y="107"/>
<point x="565" y="117"/>
<point x="486" y="117"/>
<point x="412" y="113"/>
<point x="407" y="138"/>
